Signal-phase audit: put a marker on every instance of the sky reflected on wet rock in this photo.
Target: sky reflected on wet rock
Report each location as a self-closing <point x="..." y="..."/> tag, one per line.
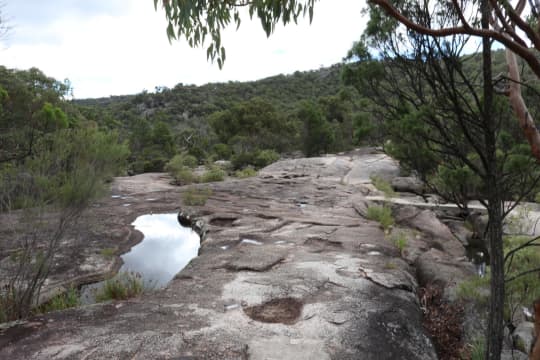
<point x="166" y="248"/>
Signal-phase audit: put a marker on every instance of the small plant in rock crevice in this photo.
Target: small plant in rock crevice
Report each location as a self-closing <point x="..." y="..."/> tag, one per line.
<point x="108" y="252"/>
<point x="382" y="214"/>
<point x="382" y="185"/>
<point x="400" y="241"/>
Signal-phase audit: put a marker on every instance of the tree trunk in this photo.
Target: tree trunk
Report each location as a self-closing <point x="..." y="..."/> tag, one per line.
<point x="496" y="304"/>
<point x="535" y="351"/>
<point x="494" y="336"/>
<point x="526" y="122"/>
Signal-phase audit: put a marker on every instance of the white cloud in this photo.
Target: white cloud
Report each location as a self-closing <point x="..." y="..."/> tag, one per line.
<point x="105" y="51"/>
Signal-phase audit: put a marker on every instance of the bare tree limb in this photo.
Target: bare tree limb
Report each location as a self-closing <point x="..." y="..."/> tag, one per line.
<point x="504" y="32"/>
<point x="519" y="47"/>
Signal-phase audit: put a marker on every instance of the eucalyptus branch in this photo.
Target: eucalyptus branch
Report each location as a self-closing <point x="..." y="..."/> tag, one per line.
<point x="522" y="246"/>
<point x="518" y="47"/>
<point x="515" y="17"/>
<point x="527" y="272"/>
<point x="505" y="25"/>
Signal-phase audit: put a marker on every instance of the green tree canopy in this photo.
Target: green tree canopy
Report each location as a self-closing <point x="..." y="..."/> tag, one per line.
<point x="318" y="134"/>
<point x="254" y="124"/>
<point x="31" y="105"/>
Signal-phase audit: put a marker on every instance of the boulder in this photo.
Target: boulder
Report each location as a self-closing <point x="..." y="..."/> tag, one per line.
<point x="409" y="184"/>
<point x="427" y="222"/>
<point x="366" y="166"/>
<point x="224" y="164"/>
<point x="360" y="204"/>
<point x="436" y="267"/>
<point x="460" y="231"/>
<point x="478" y="223"/>
<point x="523" y="336"/>
<point x="185" y="219"/>
<point x="513" y="355"/>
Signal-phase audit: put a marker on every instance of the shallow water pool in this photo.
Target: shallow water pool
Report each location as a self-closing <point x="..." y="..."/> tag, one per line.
<point x="167" y="247"/>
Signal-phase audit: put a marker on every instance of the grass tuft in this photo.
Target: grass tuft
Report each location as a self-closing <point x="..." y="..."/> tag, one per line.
<point x="63" y="301"/>
<point x="477" y="349"/>
<point x="382" y="214"/>
<point x="123" y="286"/>
<point x="196" y="196"/>
<point x="474" y="289"/>
<point x="213" y="174"/>
<point x="184" y="176"/>
<point x="245" y="173"/>
<point x="400" y="241"/>
<point x="383" y="186"/>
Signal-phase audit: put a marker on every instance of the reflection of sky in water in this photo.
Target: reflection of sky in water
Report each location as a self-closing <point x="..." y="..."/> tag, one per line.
<point x="166" y="248"/>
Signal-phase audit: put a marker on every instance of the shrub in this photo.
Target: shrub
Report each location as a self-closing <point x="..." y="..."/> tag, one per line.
<point x="8" y="305"/>
<point x="63" y="301"/>
<point x="475" y="289"/>
<point x="477" y="349"/>
<point x="518" y="222"/>
<point x="318" y="135"/>
<point x="258" y="158"/>
<point x="123" y="286"/>
<point x="382" y="214"/>
<point x="108" y="252"/>
<point x="64" y="175"/>
<point x="181" y="160"/>
<point x="246" y="172"/>
<point x="242" y="159"/>
<point x="197" y="151"/>
<point x="363" y="128"/>
<point x="155" y="164"/>
<point x="265" y="157"/>
<point x="222" y="151"/>
<point x="184" y="176"/>
<point x="383" y="186"/>
<point x="136" y="167"/>
<point x="213" y="174"/>
<point x="196" y="196"/>
<point x="525" y="289"/>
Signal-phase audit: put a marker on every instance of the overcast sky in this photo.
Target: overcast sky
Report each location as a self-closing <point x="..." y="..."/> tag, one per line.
<point x="114" y="47"/>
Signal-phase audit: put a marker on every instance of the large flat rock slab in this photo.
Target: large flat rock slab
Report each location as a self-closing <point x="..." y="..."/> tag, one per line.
<point x="287" y="270"/>
<point x="349" y="169"/>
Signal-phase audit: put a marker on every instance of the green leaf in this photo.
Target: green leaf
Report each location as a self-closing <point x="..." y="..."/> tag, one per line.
<point x="170" y="32"/>
<point x="209" y="51"/>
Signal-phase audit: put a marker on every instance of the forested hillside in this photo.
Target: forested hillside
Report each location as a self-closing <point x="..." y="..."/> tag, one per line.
<point x="250" y="123"/>
<point x="186" y="101"/>
<point x="232" y="120"/>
